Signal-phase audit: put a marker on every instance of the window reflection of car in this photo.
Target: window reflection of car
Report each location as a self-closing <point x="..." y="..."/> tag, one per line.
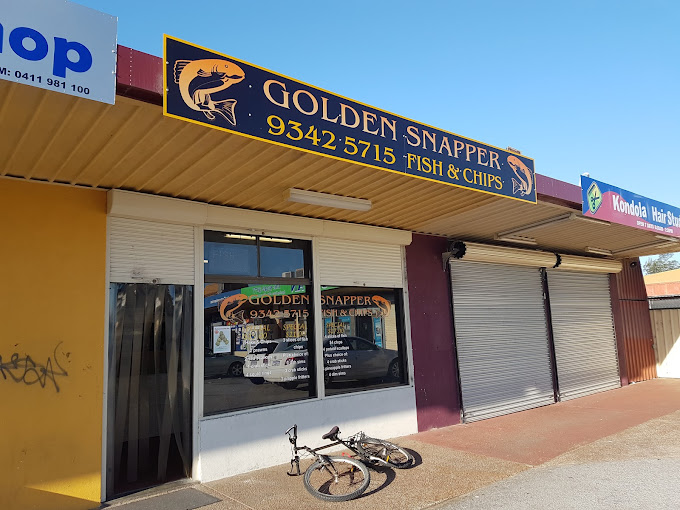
<point x="255" y="365"/>
<point x="222" y="365"/>
<point x="287" y="364"/>
<point x="355" y="358"/>
<point x="345" y="359"/>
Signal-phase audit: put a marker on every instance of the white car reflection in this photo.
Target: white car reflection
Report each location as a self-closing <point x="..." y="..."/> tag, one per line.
<point x="287" y="364"/>
<point x="255" y="364"/>
<point x="345" y="359"/>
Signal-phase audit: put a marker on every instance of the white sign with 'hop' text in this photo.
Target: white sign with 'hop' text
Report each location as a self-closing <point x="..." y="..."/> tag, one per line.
<point x="59" y="45"/>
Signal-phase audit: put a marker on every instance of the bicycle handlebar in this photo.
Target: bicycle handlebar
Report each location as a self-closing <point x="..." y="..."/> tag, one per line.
<point x="292" y="438"/>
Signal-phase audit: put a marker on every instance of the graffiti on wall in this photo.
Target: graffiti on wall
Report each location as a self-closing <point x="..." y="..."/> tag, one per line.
<point x="25" y="370"/>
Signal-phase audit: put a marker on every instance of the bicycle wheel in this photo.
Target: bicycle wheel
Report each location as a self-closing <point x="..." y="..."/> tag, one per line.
<point x="337" y="478"/>
<point x="377" y="451"/>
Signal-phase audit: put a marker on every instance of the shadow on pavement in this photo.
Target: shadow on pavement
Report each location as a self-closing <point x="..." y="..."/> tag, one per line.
<point x="379" y="475"/>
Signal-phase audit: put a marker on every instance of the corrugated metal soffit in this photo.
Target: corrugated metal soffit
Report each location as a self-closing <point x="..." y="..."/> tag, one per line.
<point x="583" y="333"/>
<point x="150" y="252"/>
<point x="501" y="338"/>
<point x="363" y="264"/>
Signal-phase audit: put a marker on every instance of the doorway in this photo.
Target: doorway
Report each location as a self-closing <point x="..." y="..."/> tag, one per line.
<point x="149" y="425"/>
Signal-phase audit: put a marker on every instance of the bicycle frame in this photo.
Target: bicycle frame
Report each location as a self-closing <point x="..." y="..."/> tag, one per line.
<point x="295" y="461"/>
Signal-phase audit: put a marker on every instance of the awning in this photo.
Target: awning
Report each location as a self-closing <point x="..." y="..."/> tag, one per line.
<point x="51" y="137"/>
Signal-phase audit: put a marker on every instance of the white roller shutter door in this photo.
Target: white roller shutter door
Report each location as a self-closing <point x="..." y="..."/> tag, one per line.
<point x="501" y="338"/>
<point x="355" y="263"/>
<point x="583" y="333"/>
<point x="147" y="251"/>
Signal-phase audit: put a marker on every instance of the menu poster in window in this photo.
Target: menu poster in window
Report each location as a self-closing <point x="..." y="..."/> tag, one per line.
<point x="377" y="331"/>
<point x="240" y="342"/>
<point x="221" y="339"/>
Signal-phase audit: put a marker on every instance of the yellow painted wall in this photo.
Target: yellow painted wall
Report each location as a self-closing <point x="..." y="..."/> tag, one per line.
<point x="52" y="305"/>
<point x="663" y="277"/>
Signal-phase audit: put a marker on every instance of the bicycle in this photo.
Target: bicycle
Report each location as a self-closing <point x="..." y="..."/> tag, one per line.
<point x="343" y="478"/>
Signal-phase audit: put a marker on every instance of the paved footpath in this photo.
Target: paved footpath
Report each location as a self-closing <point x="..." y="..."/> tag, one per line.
<point x="638" y="468"/>
<point x="617" y="449"/>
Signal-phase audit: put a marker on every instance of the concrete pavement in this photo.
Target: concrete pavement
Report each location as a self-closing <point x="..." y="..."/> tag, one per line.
<point x="616" y="449"/>
<point x="635" y="469"/>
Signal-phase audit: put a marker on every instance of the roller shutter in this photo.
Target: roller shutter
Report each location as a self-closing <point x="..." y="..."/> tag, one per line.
<point x="583" y="333"/>
<point x="501" y="338"/>
<point x="355" y="263"/>
<point x="150" y="252"/>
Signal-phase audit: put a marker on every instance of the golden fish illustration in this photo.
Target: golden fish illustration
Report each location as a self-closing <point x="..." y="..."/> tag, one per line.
<point x="524" y="182"/>
<point x="239" y="318"/>
<point x="199" y="79"/>
<point x="229" y="306"/>
<point x="384" y="305"/>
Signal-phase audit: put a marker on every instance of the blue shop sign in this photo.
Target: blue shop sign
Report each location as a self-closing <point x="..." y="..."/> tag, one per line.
<point x="610" y="203"/>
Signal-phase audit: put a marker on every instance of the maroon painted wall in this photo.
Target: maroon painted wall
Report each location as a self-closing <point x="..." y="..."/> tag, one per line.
<point x="437" y="394"/>
<point x="617" y="314"/>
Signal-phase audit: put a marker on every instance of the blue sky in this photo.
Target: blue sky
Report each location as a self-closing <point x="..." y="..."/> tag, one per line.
<point x="580" y="86"/>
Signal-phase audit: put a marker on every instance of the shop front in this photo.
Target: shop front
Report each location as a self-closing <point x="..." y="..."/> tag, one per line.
<point x="306" y="326"/>
<point x="220" y="273"/>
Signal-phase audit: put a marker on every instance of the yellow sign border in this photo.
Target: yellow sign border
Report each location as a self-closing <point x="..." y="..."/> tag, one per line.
<point x="220" y="128"/>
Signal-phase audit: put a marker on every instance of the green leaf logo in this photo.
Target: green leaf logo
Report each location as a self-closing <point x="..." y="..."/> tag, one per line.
<point x="594" y="198"/>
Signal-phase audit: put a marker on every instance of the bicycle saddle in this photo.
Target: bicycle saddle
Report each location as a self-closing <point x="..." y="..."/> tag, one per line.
<point x="331" y="434"/>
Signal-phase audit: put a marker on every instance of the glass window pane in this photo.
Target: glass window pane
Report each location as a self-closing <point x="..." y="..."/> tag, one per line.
<point x="257" y="348"/>
<point x="282" y="258"/>
<point x="230" y="254"/>
<point x="363" y="345"/>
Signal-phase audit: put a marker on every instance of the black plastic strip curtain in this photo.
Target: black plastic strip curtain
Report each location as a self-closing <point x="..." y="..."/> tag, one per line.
<point x="151" y="424"/>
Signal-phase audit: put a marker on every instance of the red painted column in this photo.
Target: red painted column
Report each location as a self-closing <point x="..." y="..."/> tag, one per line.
<point x="436" y="382"/>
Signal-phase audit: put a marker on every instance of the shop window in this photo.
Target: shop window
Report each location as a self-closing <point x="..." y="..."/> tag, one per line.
<point x="258" y="322"/>
<point x="363" y="346"/>
<point x="235" y="258"/>
<point x="260" y="256"/>
<point x="281" y="257"/>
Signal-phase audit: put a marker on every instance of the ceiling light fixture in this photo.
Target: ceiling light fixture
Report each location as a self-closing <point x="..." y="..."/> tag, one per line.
<point x="598" y="251"/>
<point x="588" y="219"/>
<point x="669" y="241"/>
<point x="549" y="222"/>
<point x="516" y="239"/>
<point x="240" y="236"/>
<point x="668" y="238"/>
<point x="327" y="200"/>
<point x="276" y="240"/>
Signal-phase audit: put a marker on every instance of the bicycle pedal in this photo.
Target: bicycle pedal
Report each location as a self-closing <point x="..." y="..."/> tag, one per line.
<point x="294" y="466"/>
